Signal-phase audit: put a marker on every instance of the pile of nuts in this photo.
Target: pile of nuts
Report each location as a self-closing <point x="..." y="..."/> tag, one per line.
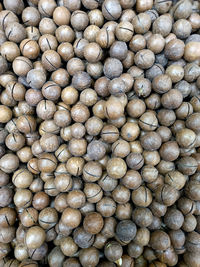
<point x="100" y="133"/>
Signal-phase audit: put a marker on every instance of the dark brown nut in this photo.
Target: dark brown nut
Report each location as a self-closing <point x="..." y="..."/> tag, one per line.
<point x="112" y="68"/>
<point x="135" y="161"/>
<point x="82" y="238"/>
<point x="169" y="256"/>
<point x="81" y="80"/>
<point x="155" y="70"/>
<point x="151" y="141"/>
<point x="142" y="217"/>
<point x="126" y="230"/>
<point x="113" y="251"/>
<point x="158" y="209"/>
<point x="177" y="238"/>
<point x="173" y="219"/>
<point x="142" y="236"/>
<point x="166" y="117"/>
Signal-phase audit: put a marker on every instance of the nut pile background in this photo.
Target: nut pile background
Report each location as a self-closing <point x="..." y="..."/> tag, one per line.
<point x="100" y="133"/>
